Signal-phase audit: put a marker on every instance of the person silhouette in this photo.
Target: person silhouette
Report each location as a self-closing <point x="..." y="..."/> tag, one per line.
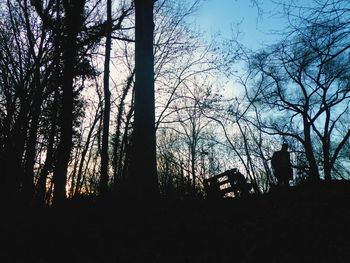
<point x="282" y="167"/>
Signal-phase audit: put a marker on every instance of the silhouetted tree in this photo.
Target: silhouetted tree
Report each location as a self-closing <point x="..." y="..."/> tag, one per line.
<point x="107" y="102"/>
<point x="72" y="26"/>
<point x="310" y="92"/>
<point x="144" y="181"/>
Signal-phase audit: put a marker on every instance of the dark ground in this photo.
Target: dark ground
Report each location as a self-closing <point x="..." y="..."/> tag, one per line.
<point x="303" y="224"/>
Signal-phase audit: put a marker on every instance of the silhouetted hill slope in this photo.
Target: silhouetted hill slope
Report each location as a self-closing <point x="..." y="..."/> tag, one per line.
<point x="303" y="224"/>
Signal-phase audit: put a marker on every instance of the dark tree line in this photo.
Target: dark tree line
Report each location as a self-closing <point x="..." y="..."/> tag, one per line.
<point x="87" y="86"/>
<point x="45" y="65"/>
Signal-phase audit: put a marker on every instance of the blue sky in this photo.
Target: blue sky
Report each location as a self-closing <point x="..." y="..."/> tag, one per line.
<point x="222" y="15"/>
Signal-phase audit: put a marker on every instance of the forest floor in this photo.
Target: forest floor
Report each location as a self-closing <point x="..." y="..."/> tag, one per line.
<point x="301" y="224"/>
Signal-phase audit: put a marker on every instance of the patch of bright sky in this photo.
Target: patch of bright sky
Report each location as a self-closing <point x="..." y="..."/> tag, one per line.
<point x="257" y="28"/>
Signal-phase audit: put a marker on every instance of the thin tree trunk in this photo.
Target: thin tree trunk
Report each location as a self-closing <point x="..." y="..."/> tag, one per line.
<point x="117" y="153"/>
<point x="125" y="150"/>
<point x="326" y="149"/>
<point x="28" y="180"/>
<point x="107" y="104"/>
<point x="37" y="86"/>
<point x="75" y="168"/>
<point x="40" y="197"/>
<point x="193" y="164"/>
<point x="83" y="176"/>
<point x="41" y="185"/>
<point x="314" y="174"/>
<point x="84" y="152"/>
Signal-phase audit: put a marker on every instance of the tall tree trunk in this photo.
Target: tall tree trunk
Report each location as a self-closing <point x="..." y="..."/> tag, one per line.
<point x="74" y="10"/>
<point x="37" y="90"/>
<point x="40" y="197"/>
<point x="144" y="181"/>
<point x="107" y="104"/>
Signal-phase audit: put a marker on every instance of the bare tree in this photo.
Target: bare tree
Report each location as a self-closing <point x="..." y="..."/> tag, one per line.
<point x="308" y="92"/>
<point x="330" y="15"/>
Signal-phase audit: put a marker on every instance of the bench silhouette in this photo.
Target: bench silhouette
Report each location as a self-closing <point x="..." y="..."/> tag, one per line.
<point x="230" y="181"/>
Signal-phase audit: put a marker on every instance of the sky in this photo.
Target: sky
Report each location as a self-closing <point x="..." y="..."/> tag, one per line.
<point x="256" y="28"/>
